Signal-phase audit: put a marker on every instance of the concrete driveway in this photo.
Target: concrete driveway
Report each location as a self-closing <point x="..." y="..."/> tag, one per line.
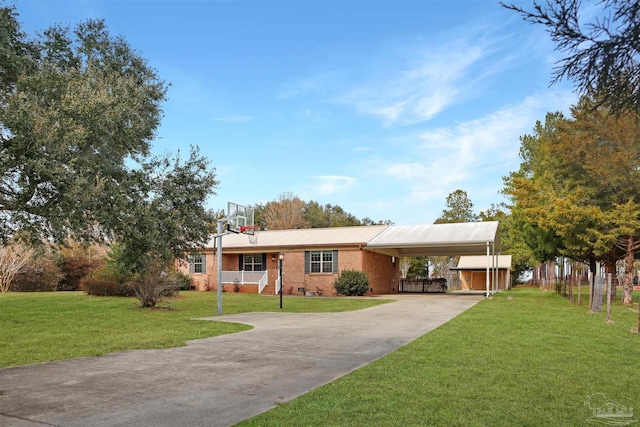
<point x="223" y="380"/>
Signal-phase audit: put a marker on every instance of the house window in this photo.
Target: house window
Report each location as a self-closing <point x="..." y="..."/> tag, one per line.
<point x="321" y="262"/>
<point x="253" y="262"/>
<point x="197" y="264"/>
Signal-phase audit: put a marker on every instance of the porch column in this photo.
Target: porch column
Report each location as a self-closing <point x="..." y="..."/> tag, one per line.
<point x="487" y="275"/>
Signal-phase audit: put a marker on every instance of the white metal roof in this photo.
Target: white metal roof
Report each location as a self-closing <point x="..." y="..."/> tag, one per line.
<point x="302" y="238"/>
<point x="479" y="262"/>
<point x="468" y="238"/>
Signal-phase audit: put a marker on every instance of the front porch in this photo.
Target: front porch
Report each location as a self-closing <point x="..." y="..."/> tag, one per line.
<point x="249" y="282"/>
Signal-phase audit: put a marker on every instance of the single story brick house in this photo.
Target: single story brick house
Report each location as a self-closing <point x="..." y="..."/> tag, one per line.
<point x="313" y="257"/>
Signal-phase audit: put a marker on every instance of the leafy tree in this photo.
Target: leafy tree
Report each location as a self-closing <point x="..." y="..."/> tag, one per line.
<point x="581" y="172"/>
<point x="419" y="267"/>
<point x="13" y="259"/>
<point x="512" y="240"/>
<point x="169" y="218"/>
<point x="75" y="262"/>
<point x="77" y="109"/>
<point x="287" y="212"/>
<point x="315" y="215"/>
<point x="459" y="209"/>
<point x="328" y="216"/>
<point x="368" y="221"/>
<point x="602" y="55"/>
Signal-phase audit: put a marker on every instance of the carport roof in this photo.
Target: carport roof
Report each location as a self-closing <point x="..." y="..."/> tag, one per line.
<point x="479" y="262"/>
<point x="468" y="238"/>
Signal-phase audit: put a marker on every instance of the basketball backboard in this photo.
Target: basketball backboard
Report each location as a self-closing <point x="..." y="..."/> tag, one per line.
<point x="238" y="217"/>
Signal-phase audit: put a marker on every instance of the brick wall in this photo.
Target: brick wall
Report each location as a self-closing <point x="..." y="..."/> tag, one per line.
<point x="381" y="271"/>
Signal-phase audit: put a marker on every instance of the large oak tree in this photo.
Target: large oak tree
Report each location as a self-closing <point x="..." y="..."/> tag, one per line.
<point x="79" y="109"/>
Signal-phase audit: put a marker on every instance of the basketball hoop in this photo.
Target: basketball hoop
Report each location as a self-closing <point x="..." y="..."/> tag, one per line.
<point x="252" y="233"/>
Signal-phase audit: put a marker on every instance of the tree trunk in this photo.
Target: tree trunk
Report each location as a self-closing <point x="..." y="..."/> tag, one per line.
<point x="552" y="274"/>
<point x="628" y="271"/>
<point x="592" y="268"/>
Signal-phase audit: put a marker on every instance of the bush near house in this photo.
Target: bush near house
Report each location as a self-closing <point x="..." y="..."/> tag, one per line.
<point x="105" y="282"/>
<point x="41" y="275"/>
<point x="183" y="281"/>
<point x="351" y="283"/>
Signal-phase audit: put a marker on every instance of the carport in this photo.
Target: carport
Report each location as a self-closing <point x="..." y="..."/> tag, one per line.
<point x="458" y="239"/>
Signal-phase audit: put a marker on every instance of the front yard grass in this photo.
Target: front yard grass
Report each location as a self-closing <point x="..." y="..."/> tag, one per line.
<point x="41" y="327"/>
<point x="523" y="358"/>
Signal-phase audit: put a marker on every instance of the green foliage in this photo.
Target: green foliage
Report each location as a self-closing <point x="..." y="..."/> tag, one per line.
<point x="601" y="55"/>
<point x="183" y="281"/>
<point x="289" y="211"/>
<point x="154" y="285"/>
<point x="513" y="241"/>
<point x="419" y="268"/>
<point x="75" y="262"/>
<point x="460" y="209"/>
<point x="107" y="282"/>
<point x="40" y="275"/>
<point x="328" y="215"/>
<point x="577" y="188"/>
<point x="351" y="283"/>
<point x="92" y="104"/>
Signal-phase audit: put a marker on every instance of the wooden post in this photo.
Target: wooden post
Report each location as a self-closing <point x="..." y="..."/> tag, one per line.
<point x="609" y="297"/>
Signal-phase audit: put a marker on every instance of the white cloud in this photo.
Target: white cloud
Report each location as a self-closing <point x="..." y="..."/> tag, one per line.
<point x="331" y="184"/>
<point x="463" y="155"/>
<point x="419" y="87"/>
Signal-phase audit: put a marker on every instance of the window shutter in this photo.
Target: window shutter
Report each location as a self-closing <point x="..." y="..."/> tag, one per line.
<point x="240" y="262"/>
<point x="204" y="263"/>
<point x="307" y="262"/>
<point x="190" y="259"/>
<point x="264" y="262"/>
<point x="335" y="262"/>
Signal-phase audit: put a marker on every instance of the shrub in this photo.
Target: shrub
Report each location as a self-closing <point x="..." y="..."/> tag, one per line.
<point x="351" y="283"/>
<point x="41" y="275"/>
<point x="106" y="282"/>
<point x="154" y="285"/>
<point x="76" y="262"/>
<point x="183" y="281"/>
<point x="14" y="258"/>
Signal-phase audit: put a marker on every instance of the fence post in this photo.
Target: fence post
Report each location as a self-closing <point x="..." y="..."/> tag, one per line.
<point x="609" y="297"/>
<point x="596" y="301"/>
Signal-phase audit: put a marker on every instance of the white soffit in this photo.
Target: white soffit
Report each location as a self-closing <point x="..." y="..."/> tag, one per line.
<point x="469" y="238"/>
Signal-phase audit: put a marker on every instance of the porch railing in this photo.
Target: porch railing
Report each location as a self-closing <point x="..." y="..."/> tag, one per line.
<point x="278" y="284"/>
<point x="259" y="278"/>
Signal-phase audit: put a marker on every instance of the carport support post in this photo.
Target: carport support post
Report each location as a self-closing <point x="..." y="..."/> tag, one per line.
<point x="488" y="261"/>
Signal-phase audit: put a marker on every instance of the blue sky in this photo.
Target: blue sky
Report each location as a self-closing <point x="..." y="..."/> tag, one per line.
<point x="380" y="107"/>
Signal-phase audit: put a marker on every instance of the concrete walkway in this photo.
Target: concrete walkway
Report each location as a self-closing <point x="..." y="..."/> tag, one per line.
<point x="218" y="381"/>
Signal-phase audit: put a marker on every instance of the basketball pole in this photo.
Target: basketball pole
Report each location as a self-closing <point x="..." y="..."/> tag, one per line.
<point x="219" y="260"/>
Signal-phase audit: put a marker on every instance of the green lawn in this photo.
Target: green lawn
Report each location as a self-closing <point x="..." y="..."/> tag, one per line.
<point x="523" y="358"/>
<point x="40" y="327"/>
